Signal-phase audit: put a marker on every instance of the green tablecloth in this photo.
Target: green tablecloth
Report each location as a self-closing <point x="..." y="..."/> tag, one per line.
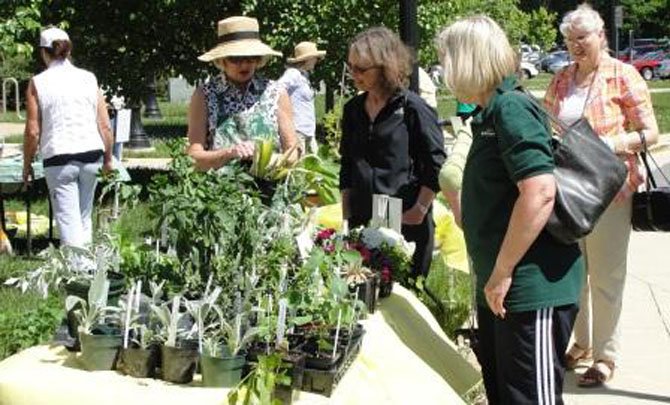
<point x="11" y="170"/>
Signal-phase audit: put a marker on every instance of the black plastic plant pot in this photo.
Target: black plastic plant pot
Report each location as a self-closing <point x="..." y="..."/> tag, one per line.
<point x="136" y="362"/>
<point x="99" y="352"/>
<point x="283" y="393"/>
<point x="221" y="371"/>
<point x="322" y="361"/>
<point x="178" y="364"/>
<point x="367" y="292"/>
<point x="294" y="364"/>
<point x="385" y="288"/>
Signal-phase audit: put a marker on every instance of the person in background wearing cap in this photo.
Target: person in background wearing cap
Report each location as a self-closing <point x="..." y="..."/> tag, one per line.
<point x="296" y="81"/>
<point x="235" y="108"/>
<point x="67" y="118"/>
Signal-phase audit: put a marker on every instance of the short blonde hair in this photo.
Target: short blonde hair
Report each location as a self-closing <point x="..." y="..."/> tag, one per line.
<point x="383" y="48"/>
<point x="476" y="56"/>
<point x="583" y="18"/>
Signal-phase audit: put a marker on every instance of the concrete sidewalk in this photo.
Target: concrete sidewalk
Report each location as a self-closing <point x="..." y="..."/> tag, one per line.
<point x="643" y="372"/>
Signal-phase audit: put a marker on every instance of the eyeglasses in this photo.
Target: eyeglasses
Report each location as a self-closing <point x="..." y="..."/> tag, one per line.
<point x="579" y="39"/>
<point x="354" y="69"/>
<point x="243" y="59"/>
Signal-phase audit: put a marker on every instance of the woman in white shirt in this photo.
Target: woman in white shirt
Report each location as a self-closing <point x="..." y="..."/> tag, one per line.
<point x="67" y="119"/>
<point x="296" y="81"/>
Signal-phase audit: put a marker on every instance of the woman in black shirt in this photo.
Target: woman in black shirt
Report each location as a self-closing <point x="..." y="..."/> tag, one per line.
<point x="391" y="142"/>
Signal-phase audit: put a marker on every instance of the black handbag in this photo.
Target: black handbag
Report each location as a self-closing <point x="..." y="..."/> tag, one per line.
<point x="588" y="177"/>
<point x="651" y="208"/>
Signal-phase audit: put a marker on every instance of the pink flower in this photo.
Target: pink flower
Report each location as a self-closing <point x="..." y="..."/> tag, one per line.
<point x="325" y="234"/>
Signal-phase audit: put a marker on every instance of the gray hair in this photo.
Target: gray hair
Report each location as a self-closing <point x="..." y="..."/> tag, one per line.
<point x="476" y="56"/>
<point x="583" y="18"/>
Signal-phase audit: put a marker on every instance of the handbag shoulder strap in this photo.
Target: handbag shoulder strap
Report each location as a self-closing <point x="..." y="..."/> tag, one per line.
<point x="643" y="153"/>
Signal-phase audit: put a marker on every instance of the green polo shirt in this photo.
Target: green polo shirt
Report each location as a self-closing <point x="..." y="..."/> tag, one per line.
<point x="511" y="143"/>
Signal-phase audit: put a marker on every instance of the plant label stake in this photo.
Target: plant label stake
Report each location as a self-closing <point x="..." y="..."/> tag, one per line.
<point x="281" y="321"/>
<point x="129" y="310"/>
<point x="337" y="332"/>
<point x="386" y="212"/>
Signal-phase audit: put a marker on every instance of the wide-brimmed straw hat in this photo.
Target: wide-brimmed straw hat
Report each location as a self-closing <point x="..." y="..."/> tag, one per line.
<point x="304" y="51"/>
<point x="238" y="36"/>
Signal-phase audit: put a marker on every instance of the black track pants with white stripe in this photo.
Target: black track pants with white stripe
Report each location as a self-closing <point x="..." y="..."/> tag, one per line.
<point x="522" y="356"/>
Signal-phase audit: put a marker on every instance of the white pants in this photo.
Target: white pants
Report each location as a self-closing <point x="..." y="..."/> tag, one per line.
<point x="72" y="189"/>
<point x="307" y="143"/>
<point x="606" y="253"/>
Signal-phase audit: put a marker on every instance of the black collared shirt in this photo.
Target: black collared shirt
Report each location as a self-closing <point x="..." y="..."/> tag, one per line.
<point x="396" y="154"/>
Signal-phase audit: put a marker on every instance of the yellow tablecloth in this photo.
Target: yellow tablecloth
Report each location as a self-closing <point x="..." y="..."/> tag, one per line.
<point x="405" y="359"/>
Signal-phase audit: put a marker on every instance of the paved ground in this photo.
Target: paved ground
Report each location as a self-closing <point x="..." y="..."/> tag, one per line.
<point x="643" y="373"/>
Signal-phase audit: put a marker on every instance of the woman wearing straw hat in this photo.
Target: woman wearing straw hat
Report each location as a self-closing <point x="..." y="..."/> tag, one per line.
<point x="232" y="110"/>
<point x="296" y="81"/>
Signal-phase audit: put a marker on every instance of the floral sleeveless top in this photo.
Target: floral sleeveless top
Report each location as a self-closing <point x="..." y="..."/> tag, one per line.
<point x="235" y="116"/>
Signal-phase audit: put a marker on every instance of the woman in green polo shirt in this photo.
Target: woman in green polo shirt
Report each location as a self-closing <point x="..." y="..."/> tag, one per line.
<point x="528" y="284"/>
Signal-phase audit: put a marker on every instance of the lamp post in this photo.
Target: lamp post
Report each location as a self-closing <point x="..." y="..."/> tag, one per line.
<point x="138" y="137"/>
<point x="409" y="33"/>
<point x="151" y="109"/>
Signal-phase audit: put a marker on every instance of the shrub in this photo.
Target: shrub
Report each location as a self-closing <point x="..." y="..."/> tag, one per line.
<point x="26" y="320"/>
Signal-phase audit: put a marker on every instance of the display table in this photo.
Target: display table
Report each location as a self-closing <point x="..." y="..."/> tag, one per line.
<point x="405" y="359"/>
<point x="11" y="186"/>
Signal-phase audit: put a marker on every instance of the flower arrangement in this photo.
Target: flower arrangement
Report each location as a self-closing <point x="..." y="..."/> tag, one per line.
<point x="382" y="250"/>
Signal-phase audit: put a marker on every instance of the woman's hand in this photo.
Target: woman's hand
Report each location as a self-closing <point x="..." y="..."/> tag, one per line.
<point x="413" y="216"/>
<point x="496" y="290"/>
<point x="244" y="150"/>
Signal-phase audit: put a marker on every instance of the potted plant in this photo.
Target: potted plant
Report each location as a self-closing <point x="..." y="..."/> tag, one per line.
<point x="99" y="337"/>
<point x="268" y="383"/>
<point x="139" y="355"/>
<point x="223" y="359"/>
<point x="178" y="363"/>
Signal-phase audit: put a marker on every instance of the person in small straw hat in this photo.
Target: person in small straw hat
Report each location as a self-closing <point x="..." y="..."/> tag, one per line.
<point x="296" y="80"/>
<point x="237" y="107"/>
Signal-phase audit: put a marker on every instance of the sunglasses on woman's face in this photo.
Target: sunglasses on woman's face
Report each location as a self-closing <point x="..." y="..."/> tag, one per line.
<point x="359" y="70"/>
<point x="243" y="59"/>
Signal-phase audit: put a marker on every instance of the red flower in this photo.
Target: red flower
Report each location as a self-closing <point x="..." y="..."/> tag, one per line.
<point x="365" y="253"/>
<point x="325" y="234"/>
<point x="386" y="274"/>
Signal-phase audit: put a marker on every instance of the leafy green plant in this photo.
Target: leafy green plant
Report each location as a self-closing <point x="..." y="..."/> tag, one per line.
<point x="95" y="310"/>
<point x="28" y="321"/>
<point x="69" y="263"/>
<point x="169" y="318"/>
<point x="259" y="385"/>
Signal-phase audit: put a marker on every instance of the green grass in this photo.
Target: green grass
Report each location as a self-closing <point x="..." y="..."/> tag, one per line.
<point x="14" y="138"/>
<point x="659" y="84"/>
<point x="161" y="150"/>
<point x="10" y="116"/>
<point x="661" y="102"/>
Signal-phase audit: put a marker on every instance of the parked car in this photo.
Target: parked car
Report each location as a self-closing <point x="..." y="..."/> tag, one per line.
<point x="531" y="53"/>
<point x="527" y="70"/>
<point x="638" y="51"/>
<point x="553" y="58"/>
<point x="647" y="64"/>
<point x="559" y="65"/>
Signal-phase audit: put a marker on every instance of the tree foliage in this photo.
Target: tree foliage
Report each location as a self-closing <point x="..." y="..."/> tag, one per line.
<point x="19" y="24"/>
<point x="126" y="43"/>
